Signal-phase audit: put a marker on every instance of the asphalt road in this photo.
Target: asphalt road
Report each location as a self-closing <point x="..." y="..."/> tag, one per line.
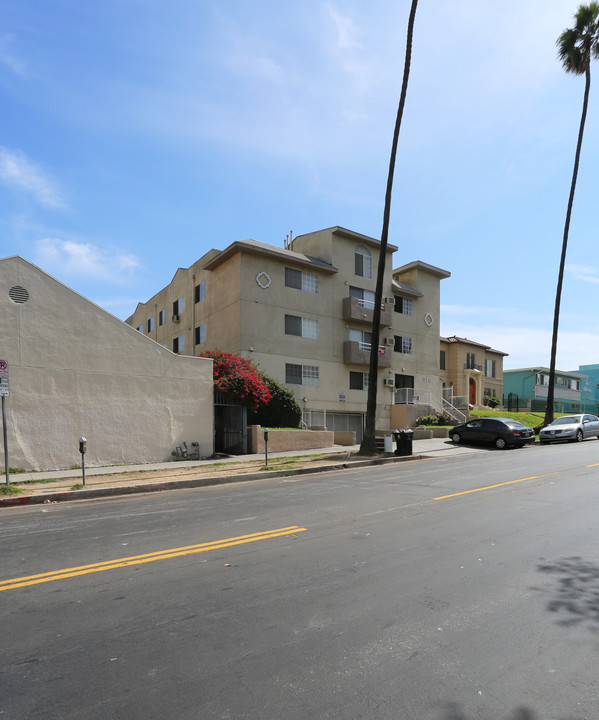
<point x="459" y="588"/>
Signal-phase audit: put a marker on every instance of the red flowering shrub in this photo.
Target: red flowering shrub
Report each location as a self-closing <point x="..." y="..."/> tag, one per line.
<point x="238" y="379"/>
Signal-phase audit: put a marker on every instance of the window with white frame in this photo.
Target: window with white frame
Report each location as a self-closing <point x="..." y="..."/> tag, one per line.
<point x="358" y="380"/>
<point x="302" y="374"/>
<point x="200" y="334"/>
<point x="301" y="326"/>
<point x="490" y="368"/>
<point x="179" y="344"/>
<point x="403" y="305"/>
<point x="162" y="317"/>
<point x="200" y="292"/>
<point x="403" y="344"/>
<point x="365" y="296"/>
<point x="363" y="262"/>
<point x="301" y="280"/>
<point x="364" y="337"/>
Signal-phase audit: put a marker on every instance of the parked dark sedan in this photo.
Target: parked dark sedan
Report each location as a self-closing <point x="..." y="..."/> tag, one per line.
<point x="500" y="432"/>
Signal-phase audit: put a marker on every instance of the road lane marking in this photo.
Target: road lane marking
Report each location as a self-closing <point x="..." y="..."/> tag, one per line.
<point x="593" y="465"/>
<point x="490" y="487"/>
<point x="13" y="583"/>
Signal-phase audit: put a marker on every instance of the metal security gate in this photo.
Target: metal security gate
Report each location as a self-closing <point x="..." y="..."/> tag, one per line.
<point x="335" y="421"/>
<point x="230" y="429"/>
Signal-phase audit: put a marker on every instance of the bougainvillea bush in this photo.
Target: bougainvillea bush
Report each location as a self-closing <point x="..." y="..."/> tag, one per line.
<point x="238" y="379"/>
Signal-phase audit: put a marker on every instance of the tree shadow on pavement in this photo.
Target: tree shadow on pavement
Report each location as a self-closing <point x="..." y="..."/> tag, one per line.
<point x="576" y="597"/>
<point x="453" y="712"/>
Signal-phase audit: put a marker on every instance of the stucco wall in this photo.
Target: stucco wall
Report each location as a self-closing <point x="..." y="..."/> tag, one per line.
<point x="75" y="370"/>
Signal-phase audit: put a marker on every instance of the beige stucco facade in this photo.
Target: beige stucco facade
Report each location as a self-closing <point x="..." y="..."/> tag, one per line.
<point x="76" y="370"/>
<point x="472" y="369"/>
<point x="245" y="298"/>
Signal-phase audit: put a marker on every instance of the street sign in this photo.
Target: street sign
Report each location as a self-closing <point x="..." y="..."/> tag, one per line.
<point x="3" y="378"/>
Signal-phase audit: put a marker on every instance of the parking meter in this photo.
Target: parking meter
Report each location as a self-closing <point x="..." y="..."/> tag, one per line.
<point x="82" y="450"/>
<point x="266" y="445"/>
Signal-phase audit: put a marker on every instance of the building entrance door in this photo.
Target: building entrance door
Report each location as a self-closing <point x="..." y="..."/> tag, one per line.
<point x="472" y="392"/>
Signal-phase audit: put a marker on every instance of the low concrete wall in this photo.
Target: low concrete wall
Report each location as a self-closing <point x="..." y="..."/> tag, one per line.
<point x="345" y="437"/>
<point x="281" y="440"/>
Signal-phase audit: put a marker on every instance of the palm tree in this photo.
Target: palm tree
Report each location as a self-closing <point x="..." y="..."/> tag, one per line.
<point x="368" y="446"/>
<point x="576" y="47"/>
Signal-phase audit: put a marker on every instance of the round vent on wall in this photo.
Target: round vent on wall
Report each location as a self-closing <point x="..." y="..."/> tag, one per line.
<point x="18" y="294"/>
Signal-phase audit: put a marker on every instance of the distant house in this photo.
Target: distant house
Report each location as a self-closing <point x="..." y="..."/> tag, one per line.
<point x="76" y="370"/>
<point x="526" y="388"/>
<point x="589" y="388"/>
<point x="471" y="371"/>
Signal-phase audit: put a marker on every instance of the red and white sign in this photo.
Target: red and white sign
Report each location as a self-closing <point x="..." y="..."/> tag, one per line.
<point x="3" y="378"/>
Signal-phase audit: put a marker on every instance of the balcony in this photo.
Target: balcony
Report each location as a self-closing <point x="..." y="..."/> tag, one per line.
<point x="358" y="353"/>
<point x="362" y="311"/>
<point x="472" y="366"/>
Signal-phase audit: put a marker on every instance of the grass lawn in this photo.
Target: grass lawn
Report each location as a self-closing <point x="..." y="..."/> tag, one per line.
<point x="531" y="419"/>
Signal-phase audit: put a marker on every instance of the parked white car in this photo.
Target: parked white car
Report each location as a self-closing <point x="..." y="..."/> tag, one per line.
<point x="574" y="428"/>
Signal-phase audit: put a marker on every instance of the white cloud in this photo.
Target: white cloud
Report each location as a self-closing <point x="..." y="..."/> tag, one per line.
<point x="17" y="171"/>
<point x="583" y="272"/>
<point x="69" y="258"/>
<point x="345" y="29"/>
<point x="8" y="58"/>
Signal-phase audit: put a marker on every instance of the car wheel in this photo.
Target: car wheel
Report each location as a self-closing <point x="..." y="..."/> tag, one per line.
<point x="500" y="443"/>
<point x="579" y="437"/>
<point x="456" y="437"/>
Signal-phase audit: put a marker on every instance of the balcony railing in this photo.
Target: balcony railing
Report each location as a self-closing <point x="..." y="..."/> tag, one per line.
<point x="360" y="310"/>
<point x="473" y="366"/>
<point x="358" y="353"/>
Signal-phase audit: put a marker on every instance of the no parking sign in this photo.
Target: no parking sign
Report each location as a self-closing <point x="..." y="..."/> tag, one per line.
<point x="3" y="378"/>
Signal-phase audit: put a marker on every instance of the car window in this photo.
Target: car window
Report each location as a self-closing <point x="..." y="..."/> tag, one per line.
<point x="515" y="424"/>
<point x="566" y="420"/>
<point x="474" y="424"/>
<point x="494" y="426"/>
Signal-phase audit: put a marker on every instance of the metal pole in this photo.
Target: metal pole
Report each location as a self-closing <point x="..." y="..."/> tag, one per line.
<point x="4" y="434"/>
<point x="83" y="468"/>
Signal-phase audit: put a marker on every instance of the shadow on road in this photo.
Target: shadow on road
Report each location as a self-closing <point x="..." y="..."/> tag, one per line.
<point x="453" y="712"/>
<point x="576" y="597"/>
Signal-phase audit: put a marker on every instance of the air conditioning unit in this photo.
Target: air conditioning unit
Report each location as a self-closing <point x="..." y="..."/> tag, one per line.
<point x="389" y="341"/>
<point x="390" y="300"/>
<point x="176" y="318"/>
<point x="389" y="382"/>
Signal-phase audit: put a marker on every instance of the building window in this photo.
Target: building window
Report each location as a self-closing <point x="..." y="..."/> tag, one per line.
<point x="179" y="344"/>
<point x="542" y="379"/>
<point x="150" y="324"/>
<point x="301" y="374"/>
<point x="179" y="306"/>
<point x="442" y="360"/>
<point x="365" y="296"/>
<point x="200" y="334"/>
<point x="470" y="364"/>
<point x="358" y="380"/>
<point x="302" y="327"/>
<point x="363" y="262"/>
<point x="300" y="280"/>
<point x="162" y="317"/>
<point x="200" y="292"/>
<point x="403" y="305"/>
<point x="403" y="344"/>
<point x="490" y="368"/>
<point x="364" y="337"/>
<point x="141" y="329"/>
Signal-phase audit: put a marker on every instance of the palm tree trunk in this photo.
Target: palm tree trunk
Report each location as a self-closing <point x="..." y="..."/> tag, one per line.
<point x="368" y="446"/>
<point x="560" y="278"/>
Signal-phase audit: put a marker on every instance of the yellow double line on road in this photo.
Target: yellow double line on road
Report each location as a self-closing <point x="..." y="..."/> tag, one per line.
<point x="147" y="558"/>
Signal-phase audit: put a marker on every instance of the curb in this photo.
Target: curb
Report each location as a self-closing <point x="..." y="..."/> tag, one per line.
<point x="85" y="494"/>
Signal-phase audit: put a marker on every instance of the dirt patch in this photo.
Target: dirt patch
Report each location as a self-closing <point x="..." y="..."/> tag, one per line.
<point x="174" y="472"/>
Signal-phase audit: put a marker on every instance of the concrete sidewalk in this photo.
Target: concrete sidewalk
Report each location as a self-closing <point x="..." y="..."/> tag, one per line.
<point x="57" y="486"/>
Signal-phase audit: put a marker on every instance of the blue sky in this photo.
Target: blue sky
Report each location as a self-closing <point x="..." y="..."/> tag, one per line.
<point x="138" y="134"/>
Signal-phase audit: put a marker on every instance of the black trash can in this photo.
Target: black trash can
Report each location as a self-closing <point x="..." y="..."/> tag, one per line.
<point x="403" y="440"/>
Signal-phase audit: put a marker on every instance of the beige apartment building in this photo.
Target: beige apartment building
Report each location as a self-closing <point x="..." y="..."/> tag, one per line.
<point x="470" y="370"/>
<point x="303" y="314"/>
